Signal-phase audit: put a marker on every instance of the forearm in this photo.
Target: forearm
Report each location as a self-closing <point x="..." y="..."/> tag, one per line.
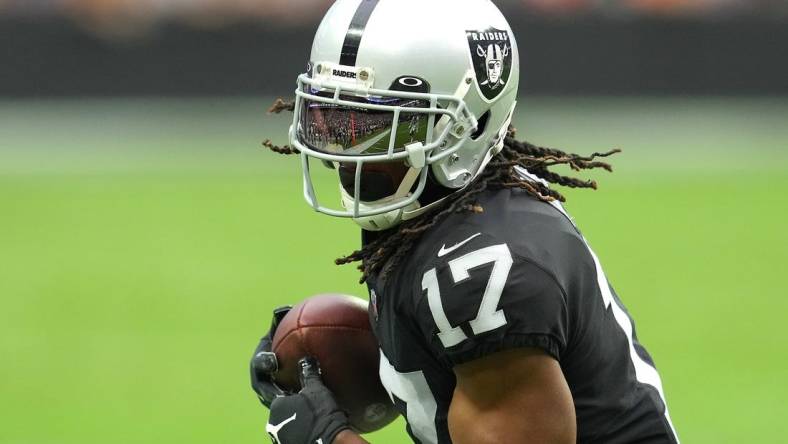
<point x="534" y="406"/>
<point x="495" y="427"/>
<point x="349" y="437"/>
<point x="474" y="426"/>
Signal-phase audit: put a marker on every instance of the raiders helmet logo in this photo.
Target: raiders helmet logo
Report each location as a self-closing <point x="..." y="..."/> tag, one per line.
<point x="491" y="54"/>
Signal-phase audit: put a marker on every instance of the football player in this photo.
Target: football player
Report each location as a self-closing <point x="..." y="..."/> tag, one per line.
<point x="495" y="320"/>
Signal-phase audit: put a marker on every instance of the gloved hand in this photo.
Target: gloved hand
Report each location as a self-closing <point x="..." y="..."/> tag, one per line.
<point x="309" y="417"/>
<point x="264" y="363"/>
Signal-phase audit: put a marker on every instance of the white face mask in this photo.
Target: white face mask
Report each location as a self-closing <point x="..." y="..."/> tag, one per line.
<point x="340" y="125"/>
<point x="388" y="219"/>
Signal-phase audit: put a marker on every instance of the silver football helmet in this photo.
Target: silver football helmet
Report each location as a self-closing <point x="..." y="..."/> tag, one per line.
<point x="401" y="91"/>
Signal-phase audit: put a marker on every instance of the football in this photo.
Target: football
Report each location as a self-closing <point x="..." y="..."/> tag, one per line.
<point x="335" y="329"/>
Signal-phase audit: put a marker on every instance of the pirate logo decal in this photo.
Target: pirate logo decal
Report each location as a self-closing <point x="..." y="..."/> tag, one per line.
<point x="491" y="54"/>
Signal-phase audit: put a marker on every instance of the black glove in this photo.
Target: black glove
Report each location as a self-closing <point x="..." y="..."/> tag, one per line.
<point x="309" y="417"/>
<point x="264" y="363"/>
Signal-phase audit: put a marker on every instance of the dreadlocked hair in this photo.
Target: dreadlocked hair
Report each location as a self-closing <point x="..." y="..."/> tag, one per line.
<point x="277" y="107"/>
<point x="386" y="252"/>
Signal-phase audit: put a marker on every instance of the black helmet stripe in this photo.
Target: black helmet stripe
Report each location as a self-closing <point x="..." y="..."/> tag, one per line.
<point x="356" y="30"/>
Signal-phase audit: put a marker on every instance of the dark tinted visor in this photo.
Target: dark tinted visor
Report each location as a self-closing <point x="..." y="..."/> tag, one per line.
<point x="350" y="130"/>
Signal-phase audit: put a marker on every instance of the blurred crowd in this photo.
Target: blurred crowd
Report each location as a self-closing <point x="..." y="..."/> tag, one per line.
<point x="123" y="16"/>
<point x="200" y="11"/>
<point x="628" y="8"/>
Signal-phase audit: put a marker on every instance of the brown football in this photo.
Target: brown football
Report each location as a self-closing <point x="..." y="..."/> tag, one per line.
<point x="335" y="329"/>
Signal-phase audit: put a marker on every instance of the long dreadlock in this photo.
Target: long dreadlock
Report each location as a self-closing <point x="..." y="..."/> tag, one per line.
<point x="383" y="254"/>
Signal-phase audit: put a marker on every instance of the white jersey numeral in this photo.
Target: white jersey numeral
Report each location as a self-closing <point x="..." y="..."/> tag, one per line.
<point x="489" y="317"/>
<point x="412" y="389"/>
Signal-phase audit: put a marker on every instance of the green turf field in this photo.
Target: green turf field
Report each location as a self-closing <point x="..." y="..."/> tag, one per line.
<point x="143" y="244"/>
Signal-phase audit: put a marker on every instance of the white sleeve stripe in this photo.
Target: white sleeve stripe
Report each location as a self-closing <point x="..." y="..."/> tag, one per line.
<point x="644" y="372"/>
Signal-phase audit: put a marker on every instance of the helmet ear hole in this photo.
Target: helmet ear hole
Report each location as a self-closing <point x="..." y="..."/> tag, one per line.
<point x="482" y="122"/>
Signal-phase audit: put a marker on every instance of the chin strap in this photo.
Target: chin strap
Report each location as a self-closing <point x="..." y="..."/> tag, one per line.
<point x="408" y="180"/>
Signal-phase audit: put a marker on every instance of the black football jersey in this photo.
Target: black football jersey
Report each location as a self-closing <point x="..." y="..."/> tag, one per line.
<point x="519" y="274"/>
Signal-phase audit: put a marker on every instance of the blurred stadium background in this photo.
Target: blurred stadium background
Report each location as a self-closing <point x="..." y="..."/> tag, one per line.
<point x="145" y="236"/>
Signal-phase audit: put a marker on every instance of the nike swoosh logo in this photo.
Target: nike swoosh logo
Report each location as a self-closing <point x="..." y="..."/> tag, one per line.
<point x="444" y="251"/>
